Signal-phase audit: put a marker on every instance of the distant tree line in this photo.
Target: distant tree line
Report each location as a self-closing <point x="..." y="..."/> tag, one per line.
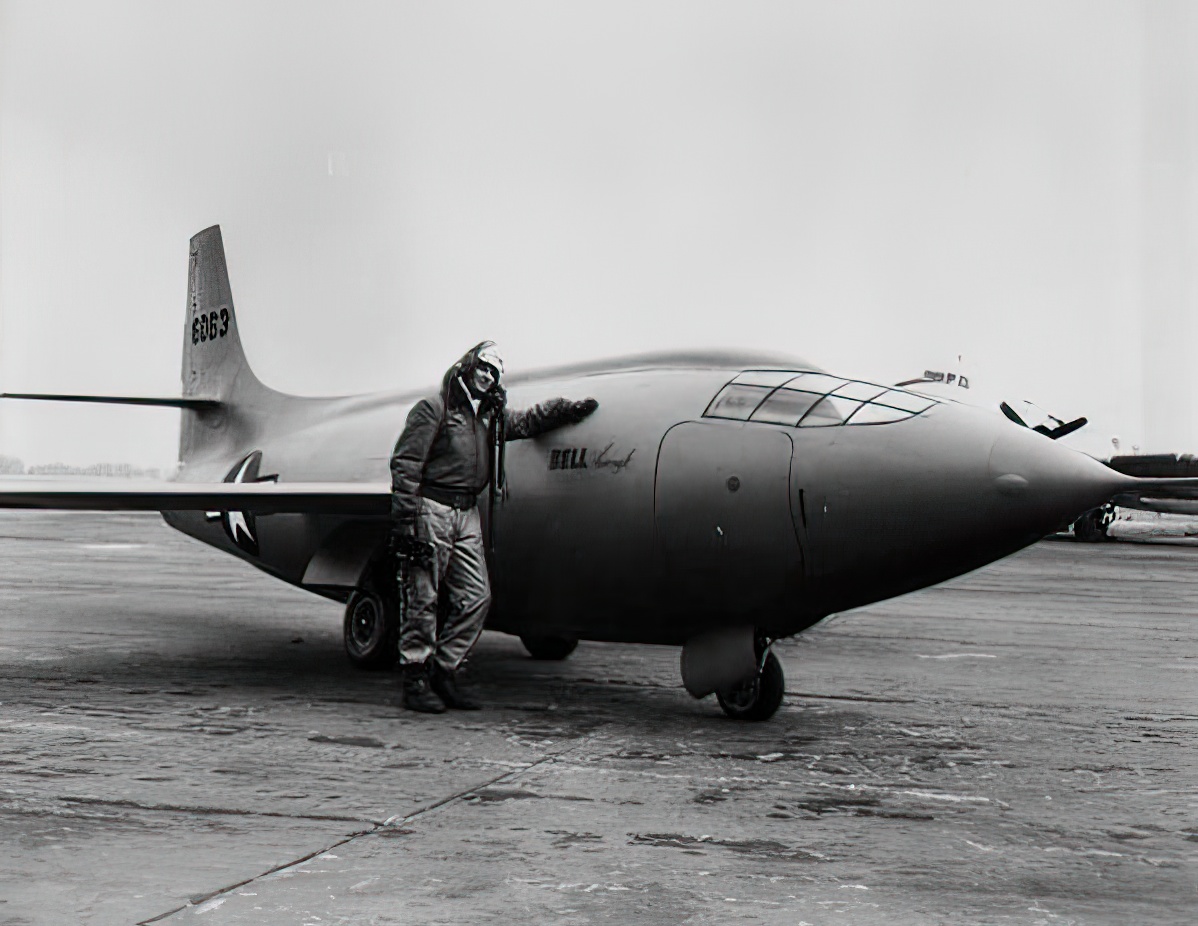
<point x="125" y="470"/>
<point x="11" y="466"/>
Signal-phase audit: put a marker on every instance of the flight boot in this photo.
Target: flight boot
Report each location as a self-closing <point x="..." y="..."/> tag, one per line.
<point x="449" y="688"/>
<point x="417" y="694"/>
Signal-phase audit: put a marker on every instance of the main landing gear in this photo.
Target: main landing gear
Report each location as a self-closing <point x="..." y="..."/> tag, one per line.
<point x="553" y="649"/>
<point x="371" y="630"/>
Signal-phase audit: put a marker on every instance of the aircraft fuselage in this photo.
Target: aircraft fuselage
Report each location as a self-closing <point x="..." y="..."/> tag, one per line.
<point x="650" y="522"/>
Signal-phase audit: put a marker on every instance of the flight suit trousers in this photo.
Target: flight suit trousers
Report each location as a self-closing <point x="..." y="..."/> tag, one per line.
<point x="457" y="577"/>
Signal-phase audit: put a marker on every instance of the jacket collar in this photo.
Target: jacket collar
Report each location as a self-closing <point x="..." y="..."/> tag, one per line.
<point x="462" y="396"/>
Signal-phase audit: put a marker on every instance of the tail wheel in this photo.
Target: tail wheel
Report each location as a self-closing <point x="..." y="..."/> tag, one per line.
<point x="371" y="631"/>
<point x="759" y="697"/>
<point x="552" y="649"/>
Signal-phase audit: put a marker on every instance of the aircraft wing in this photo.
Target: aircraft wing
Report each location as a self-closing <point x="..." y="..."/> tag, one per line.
<point x="350" y="498"/>
<point x="195" y="403"/>
<point x="1174" y="496"/>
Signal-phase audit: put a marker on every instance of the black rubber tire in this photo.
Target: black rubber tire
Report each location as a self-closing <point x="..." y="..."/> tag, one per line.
<point x="371" y="630"/>
<point x="758" y="698"/>
<point x="552" y="649"/>
<point x="1090" y="527"/>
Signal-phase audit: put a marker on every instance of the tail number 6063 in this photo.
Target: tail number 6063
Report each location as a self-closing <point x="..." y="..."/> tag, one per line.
<point x="208" y="326"/>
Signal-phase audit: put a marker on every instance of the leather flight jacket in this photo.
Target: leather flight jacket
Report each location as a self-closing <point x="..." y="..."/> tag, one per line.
<point x="445" y="453"/>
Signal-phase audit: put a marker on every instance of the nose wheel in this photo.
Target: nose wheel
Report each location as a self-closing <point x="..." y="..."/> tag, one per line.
<point x="760" y="696"/>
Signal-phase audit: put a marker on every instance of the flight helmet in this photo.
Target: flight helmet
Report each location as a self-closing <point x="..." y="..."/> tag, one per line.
<point x="484" y="354"/>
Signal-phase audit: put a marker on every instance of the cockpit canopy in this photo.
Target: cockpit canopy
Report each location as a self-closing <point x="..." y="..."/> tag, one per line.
<point x="812" y="400"/>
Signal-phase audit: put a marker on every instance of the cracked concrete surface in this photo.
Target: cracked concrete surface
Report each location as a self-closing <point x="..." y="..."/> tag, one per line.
<point x="181" y="737"/>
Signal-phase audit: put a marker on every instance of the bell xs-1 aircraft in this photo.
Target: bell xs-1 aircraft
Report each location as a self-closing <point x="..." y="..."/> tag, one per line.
<point x="715" y="501"/>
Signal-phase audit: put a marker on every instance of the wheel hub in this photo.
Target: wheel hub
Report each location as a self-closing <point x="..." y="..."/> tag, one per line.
<point x="365" y="623"/>
<point x="744" y="695"/>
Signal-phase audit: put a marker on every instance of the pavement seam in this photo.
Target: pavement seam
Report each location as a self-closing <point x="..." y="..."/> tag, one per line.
<point x="212" y="811"/>
<point x="390" y="822"/>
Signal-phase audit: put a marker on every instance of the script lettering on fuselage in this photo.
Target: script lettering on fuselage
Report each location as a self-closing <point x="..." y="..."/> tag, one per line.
<point x="208" y="326"/>
<point x="615" y="464"/>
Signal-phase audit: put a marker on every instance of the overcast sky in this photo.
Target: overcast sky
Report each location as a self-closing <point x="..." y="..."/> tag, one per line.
<point x="876" y="186"/>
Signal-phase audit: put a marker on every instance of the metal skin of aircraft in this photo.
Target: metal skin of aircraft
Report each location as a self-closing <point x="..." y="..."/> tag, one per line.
<point x="716" y="501"/>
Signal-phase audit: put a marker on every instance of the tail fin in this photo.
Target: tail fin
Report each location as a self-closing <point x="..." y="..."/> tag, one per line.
<point x="214" y="364"/>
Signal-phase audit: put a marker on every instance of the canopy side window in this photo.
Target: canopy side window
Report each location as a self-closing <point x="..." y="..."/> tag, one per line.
<point x="877" y="414"/>
<point x="790" y="403"/>
<point x="812" y="400"/>
<point x="825" y="413"/>
<point x="736" y="401"/>
<point x="904" y="401"/>
<point x="786" y="406"/>
<point x="860" y="392"/>
<point x="819" y="383"/>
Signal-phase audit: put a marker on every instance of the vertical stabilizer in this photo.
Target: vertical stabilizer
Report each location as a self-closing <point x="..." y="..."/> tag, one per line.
<point x="214" y="365"/>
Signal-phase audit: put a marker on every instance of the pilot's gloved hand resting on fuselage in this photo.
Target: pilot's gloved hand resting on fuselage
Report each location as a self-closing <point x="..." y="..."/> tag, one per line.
<point x="581" y="410"/>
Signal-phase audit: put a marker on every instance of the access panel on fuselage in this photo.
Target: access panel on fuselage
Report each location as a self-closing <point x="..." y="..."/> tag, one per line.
<point x="573" y="537"/>
<point x="723" y="515"/>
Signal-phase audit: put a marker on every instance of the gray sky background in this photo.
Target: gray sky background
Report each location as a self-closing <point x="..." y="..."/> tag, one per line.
<point x="875" y="186"/>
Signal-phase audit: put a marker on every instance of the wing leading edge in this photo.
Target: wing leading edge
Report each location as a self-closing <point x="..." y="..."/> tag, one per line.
<point x="193" y="402"/>
<point x="348" y="498"/>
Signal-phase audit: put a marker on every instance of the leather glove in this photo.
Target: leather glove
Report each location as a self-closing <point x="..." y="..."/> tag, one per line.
<point x="580" y="410"/>
<point x="406" y="546"/>
<point x="496" y="399"/>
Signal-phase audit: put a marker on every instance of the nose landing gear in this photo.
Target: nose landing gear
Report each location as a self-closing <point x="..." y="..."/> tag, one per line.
<point x="758" y="697"/>
<point x="737" y="664"/>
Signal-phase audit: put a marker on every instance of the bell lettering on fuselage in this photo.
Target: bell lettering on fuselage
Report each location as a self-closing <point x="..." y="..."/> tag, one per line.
<point x="568" y="458"/>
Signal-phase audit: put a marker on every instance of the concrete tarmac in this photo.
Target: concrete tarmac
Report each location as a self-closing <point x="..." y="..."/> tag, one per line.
<point x="182" y="737"/>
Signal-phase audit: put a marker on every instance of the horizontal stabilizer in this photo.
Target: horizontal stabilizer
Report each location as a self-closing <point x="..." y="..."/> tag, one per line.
<point x="347" y="498"/>
<point x="199" y="404"/>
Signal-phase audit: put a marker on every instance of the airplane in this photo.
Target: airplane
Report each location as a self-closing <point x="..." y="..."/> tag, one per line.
<point x="717" y="500"/>
<point x="1091" y="526"/>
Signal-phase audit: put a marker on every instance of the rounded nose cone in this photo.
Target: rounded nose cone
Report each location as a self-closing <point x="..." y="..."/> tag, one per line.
<point x="1043" y="484"/>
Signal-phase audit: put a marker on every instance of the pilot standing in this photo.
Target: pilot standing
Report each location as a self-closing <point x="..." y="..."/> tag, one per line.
<point x="441" y="463"/>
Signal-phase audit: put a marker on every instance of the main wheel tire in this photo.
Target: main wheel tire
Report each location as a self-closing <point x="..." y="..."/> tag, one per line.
<point x="759" y="697"/>
<point x="371" y="631"/>
<point x="548" y="648"/>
